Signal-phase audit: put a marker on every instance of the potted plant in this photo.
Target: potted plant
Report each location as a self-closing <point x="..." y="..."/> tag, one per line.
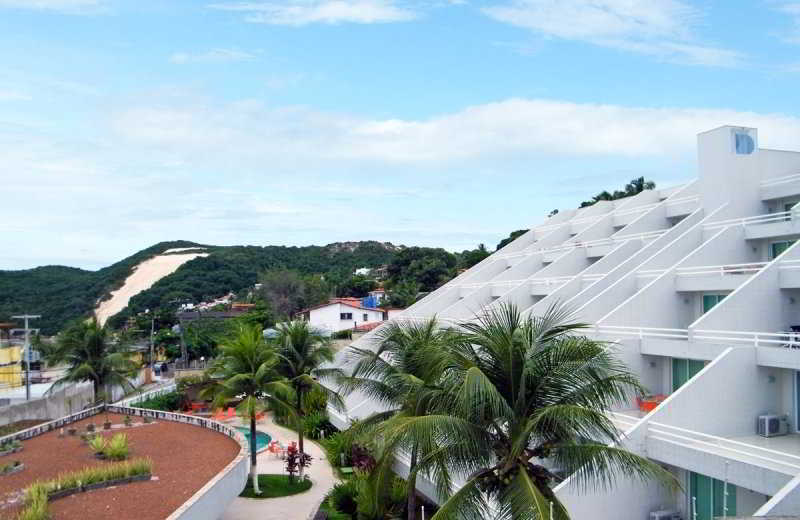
<point x="107" y="424"/>
<point x="72" y="430"/>
<point x="98" y="445"/>
<point x="128" y="421"/>
<point x="147" y="419"/>
<point x="90" y="427"/>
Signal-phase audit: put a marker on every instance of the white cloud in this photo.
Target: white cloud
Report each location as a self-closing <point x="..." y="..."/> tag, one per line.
<point x="304" y="12"/>
<point x="64" y="6"/>
<point x="659" y="28"/>
<point x="212" y="56"/>
<point x="249" y="134"/>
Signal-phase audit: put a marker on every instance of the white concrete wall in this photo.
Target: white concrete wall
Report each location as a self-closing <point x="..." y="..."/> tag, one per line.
<point x="777" y="163"/>
<point x="785" y="502"/>
<point x="65" y="401"/>
<point x="758" y="305"/>
<point x="329" y="317"/>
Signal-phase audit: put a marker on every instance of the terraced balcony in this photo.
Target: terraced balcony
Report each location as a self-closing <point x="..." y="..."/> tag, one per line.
<point x="780" y="187"/>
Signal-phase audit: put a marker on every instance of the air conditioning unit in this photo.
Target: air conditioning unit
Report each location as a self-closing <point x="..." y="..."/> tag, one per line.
<point x="664" y="515"/>
<point x="772" y="425"/>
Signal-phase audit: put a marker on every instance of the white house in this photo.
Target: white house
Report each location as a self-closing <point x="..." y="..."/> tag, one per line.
<point x="699" y="287"/>
<point x="341" y="314"/>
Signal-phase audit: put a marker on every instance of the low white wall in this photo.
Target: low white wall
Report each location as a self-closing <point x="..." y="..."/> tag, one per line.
<point x="58" y="404"/>
<point x="784" y="502"/>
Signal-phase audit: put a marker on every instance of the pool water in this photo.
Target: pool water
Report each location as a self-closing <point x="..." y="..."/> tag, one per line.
<point x="262" y="439"/>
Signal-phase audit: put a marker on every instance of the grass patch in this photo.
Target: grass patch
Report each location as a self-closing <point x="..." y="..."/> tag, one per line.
<point x="273" y="486"/>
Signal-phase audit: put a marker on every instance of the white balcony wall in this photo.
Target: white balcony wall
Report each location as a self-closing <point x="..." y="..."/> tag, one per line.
<point x="571" y="262"/>
<point x="604" y="206"/>
<point x="435" y="302"/>
<point x="647" y="221"/>
<point x="488" y="271"/>
<point x="567" y="291"/>
<point x="525" y="268"/>
<point x="778" y="163"/>
<point x="620" y="282"/>
<point x="784" y="502"/>
<point x="469" y="306"/>
<point x="601" y="228"/>
<point x="523" y="241"/>
<point x="758" y="305"/>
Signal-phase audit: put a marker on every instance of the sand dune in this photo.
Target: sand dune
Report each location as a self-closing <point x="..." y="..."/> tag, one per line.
<point x="143" y="277"/>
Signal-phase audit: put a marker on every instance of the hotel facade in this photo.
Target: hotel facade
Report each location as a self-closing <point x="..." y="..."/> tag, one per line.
<point x="699" y="287"/>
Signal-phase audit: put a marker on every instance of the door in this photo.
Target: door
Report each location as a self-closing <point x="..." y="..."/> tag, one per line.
<point x="683" y="370"/>
<point x="708" y="500"/>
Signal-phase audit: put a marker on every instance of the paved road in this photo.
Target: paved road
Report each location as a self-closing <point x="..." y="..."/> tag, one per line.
<point x="295" y="507"/>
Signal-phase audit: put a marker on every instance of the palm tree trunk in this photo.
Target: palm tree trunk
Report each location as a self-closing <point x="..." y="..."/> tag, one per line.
<point x="300" y="429"/>
<point x="412" y="486"/>
<point x="253" y="457"/>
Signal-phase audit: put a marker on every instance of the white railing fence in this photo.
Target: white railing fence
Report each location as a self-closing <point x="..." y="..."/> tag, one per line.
<point x="786" y="462"/>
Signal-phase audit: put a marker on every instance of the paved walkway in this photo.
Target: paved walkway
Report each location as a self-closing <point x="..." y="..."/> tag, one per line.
<point x="295" y="507"/>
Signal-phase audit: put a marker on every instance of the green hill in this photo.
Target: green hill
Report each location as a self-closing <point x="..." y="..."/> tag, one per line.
<point x="61" y="294"/>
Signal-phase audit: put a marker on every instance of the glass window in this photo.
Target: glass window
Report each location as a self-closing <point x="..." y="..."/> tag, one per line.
<point x="711" y="300"/>
<point x="744" y="143"/>
<point x="366" y="317"/>
<point x="346" y="316"/>
<point x="777" y="248"/>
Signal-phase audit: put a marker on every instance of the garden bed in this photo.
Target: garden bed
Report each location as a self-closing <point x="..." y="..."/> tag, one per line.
<point x="185" y="458"/>
<point x="273" y="486"/>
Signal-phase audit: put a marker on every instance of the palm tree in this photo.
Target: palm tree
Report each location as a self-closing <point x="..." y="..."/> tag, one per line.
<point x="247" y="367"/>
<point x="524" y="390"/>
<point x="90" y="355"/>
<point x="403" y="373"/>
<point x="302" y="353"/>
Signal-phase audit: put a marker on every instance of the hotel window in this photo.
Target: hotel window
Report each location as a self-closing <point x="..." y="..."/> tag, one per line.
<point x="743" y="143"/>
<point x="366" y="317"/>
<point x="346" y="316"/>
<point x="777" y="248"/>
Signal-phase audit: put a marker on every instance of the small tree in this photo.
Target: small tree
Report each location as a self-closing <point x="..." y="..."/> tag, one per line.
<point x="296" y="461"/>
<point x="247" y="367"/>
<point x="302" y="354"/>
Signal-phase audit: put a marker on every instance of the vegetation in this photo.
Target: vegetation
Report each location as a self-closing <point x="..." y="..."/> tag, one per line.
<point x="247" y="367"/>
<point x="493" y="400"/>
<point x="404" y="375"/>
<point x="37" y="494"/>
<point x="168" y="402"/>
<point x="273" y="486"/>
<point x="510" y="238"/>
<point x="117" y="447"/>
<point x="89" y="354"/>
<point x="635" y="186"/>
<point x="302" y="354"/>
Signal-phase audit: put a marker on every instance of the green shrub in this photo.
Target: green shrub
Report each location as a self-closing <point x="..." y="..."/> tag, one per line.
<point x="35" y="503"/>
<point x="343" y="334"/>
<point x="117" y="447"/>
<point x="168" y="402"/>
<point x="335" y="445"/>
<point x="317" y="422"/>
<point x="344" y="497"/>
<point x="98" y="444"/>
<point x="189" y="381"/>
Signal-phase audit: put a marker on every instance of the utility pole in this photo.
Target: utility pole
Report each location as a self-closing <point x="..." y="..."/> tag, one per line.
<point x="27" y="352"/>
<point x="152" y="331"/>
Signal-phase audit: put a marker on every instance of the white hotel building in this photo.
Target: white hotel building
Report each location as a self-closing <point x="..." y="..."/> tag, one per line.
<point x="699" y="285"/>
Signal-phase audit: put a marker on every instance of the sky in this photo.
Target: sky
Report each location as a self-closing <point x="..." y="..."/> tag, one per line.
<point x="441" y="123"/>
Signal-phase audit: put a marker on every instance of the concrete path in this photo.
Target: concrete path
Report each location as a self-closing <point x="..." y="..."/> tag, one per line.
<point x="295" y="507"/>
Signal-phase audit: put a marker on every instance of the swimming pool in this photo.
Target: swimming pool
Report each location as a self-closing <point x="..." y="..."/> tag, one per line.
<point x="262" y="439"/>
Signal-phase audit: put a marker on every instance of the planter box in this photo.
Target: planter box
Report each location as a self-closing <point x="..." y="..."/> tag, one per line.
<point x="61" y="493"/>
<point x="97" y="485"/>
<point x="9" y="452"/>
<point x="13" y="470"/>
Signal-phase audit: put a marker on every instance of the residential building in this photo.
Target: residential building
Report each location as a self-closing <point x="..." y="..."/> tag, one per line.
<point x="341" y="314"/>
<point x="699" y="287"/>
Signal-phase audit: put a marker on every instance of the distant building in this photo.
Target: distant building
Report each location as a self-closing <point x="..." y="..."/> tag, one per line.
<point x="363" y="271"/>
<point x="341" y="314"/>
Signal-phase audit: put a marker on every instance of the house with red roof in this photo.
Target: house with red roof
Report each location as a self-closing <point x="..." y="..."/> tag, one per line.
<point x="342" y="314"/>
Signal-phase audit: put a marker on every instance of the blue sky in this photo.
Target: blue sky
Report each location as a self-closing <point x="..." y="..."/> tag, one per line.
<point x="441" y="123"/>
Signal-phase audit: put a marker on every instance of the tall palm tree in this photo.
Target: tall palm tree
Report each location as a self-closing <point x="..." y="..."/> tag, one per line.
<point x="525" y="390"/>
<point x="403" y="373"/>
<point x="90" y="354"/>
<point x="247" y="367"/>
<point x="302" y="354"/>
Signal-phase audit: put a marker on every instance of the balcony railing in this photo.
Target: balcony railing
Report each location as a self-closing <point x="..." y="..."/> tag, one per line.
<point x="758" y="220"/>
<point x="681" y="200"/>
<point x="721" y="270"/>
<point x="730" y="449"/>
<point x="780" y="180"/>
<point x="637" y="209"/>
<point x="758" y="339"/>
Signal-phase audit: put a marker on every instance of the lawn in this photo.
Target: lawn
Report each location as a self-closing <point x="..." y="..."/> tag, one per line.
<point x="273" y="486"/>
